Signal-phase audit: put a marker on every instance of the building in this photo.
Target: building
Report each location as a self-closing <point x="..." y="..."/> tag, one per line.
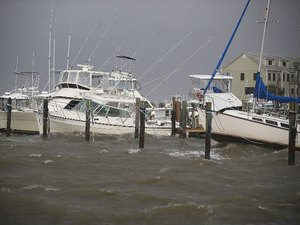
<point x="280" y="74"/>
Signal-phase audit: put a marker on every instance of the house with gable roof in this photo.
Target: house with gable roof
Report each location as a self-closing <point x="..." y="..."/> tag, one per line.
<point x="280" y="74"/>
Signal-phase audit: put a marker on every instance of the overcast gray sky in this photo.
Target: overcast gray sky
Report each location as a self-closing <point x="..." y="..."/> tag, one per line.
<point x="146" y="28"/>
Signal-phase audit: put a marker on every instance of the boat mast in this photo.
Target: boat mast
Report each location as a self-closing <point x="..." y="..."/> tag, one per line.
<point x="53" y="58"/>
<point x="69" y="45"/>
<point x="264" y="35"/>
<point x="226" y="48"/>
<point x="32" y="64"/>
<point x="49" y="50"/>
<point x="16" y="71"/>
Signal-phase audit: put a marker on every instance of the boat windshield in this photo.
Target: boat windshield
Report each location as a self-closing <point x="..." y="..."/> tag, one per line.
<point x="111" y="109"/>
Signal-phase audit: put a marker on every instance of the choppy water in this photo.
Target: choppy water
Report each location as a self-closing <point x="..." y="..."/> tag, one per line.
<point x="65" y="180"/>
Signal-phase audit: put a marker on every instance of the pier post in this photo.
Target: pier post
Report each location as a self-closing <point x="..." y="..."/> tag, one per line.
<point x="87" y="120"/>
<point x="137" y="117"/>
<point x="45" y="118"/>
<point x="183" y="114"/>
<point x="292" y="133"/>
<point x="8" y="119"/>
<point x="208" y="130"/>
<point x="173" y="116"/>
<point x="142" y="128"/>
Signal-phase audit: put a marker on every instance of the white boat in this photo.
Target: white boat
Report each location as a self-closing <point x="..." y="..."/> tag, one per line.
<point x="260" y="128"/>
<point x="22" y="117"/>
<point x="113" y="104"/>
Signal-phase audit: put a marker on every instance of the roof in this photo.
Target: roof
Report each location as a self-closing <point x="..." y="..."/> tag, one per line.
<point x="208" y="77"/>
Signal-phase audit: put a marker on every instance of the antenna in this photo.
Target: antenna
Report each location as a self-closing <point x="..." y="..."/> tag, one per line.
<point x="101" y="38"/>
<point x="84" y="43"/>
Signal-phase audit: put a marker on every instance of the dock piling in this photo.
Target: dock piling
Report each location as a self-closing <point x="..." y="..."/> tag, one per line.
<point x="45" y="118"/>
<point x="208" y="130"/>
<point x="87" y="120"/>
<point x="142" y="128"/>
<point x="8" y="119"/>
<point x="137" y="117"/>
<point x="183" y="116"/>
<point x="173" y="116"/>
<point x="292" y="133"/>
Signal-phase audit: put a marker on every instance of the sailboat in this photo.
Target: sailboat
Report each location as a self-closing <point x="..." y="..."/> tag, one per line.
<point x="257" y="128"/>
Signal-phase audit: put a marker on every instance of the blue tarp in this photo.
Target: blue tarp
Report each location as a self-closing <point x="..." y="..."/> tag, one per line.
<point x="261" y="91"/>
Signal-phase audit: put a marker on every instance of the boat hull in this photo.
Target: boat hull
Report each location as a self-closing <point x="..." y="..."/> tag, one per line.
<point x="227" y="125"/>
<point x="66" y="125"/>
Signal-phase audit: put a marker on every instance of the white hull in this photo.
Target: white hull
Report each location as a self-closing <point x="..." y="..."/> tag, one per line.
<point x="22" y="121"/>
<point x="66" y="125"/>
<point x="238" y="124"/>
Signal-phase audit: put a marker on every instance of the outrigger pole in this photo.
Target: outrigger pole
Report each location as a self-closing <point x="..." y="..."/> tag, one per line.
<point x="226" y="49"/>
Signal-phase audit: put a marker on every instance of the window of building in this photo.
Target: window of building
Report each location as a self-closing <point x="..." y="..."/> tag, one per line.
<point x="269" y="76"/>
<point x="242" y="76"/>
<point x="254" y="76"/>
<point x="283" y="77"/>
<point x="288" y="77"/>
<point x="284" y="63"/>
<point x="283" y="90"/>
<point x="270" y="62"/>
<point x="292" y="91"/>
<point x="274" y="77"/>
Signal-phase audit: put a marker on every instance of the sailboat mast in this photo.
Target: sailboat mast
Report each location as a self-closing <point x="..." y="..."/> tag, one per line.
<point x="53" y="58"/>
<point x="226" y="48"/>
<point x="69" y="46"/>
<point x="264" y="35"/>
<point x="16" y="78"/>
<point x="49" y="50"/>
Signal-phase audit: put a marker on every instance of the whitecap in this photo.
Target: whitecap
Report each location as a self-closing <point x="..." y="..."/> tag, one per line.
<point x="104" y="151"/>
<point x="51" y="189"/>
<point x="133" y="151"/>
<point x="32" y="186"/>
<point x="48" y="161"/>
<point x="35" y="155"/>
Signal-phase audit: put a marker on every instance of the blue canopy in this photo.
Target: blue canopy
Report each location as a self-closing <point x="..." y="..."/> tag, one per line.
<point x="261" y="91"/>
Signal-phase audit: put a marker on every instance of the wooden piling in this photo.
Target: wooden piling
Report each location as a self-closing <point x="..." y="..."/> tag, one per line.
<point x="142" y="128"/>
<point x="8" y="119"/>
<point x="208" y="130"/>
<point x="183" y="116"/>
<point x="173" y="121"/>
<point x="87" y="120"/>
<point x="292" y="133"/>
<point x="137" y="117"/>
<point x="173" y="116"/>
<point x="45" y="118"/>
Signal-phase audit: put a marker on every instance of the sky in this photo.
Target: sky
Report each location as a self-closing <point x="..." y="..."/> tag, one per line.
<point x="170" y="39"/>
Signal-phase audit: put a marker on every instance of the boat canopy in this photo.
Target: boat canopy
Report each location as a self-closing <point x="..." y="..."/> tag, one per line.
<point x="261" y="91"/>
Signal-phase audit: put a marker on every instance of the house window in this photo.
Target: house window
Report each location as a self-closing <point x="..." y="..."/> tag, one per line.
<point x="270" y="62"/>
<point x="274" y="77"/>
<point x="292" y="91"/>
<point x="284" y="63"/>
<point x="242" y="76"/>
<point x="269" y="76"/>
<point x="283" y="90"/>
<point x="254" y="76"/>
<point x="283" y="77"/>
<point x="287" y="77"/>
